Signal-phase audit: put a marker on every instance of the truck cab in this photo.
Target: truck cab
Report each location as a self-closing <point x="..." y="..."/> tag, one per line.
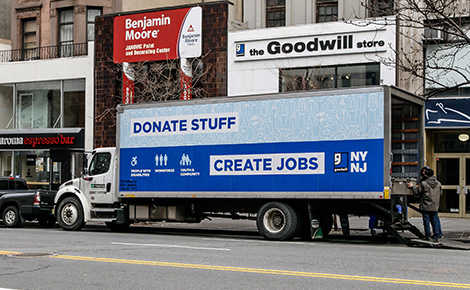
<point x="77" y="199"/>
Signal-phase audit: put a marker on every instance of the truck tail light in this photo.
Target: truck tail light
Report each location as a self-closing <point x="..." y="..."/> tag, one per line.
<point x="37" y="199"/>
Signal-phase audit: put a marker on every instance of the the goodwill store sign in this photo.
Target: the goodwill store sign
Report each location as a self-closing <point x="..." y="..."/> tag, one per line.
<point x="313" y="45"/>
<point x="159" y="35"/>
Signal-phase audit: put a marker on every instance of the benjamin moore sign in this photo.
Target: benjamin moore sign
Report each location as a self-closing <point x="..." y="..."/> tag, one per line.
<point x="169" y="34"/>
<point x="312" y="45"/>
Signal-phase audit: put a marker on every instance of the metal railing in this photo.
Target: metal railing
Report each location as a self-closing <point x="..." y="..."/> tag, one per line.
<point x="44" y="52"/>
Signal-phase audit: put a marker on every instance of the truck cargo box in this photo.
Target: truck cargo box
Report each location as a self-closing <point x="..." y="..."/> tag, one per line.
<point x="334" y="144"/>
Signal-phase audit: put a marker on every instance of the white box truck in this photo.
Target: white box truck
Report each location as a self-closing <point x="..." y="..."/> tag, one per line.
<point x="288" y="160"/>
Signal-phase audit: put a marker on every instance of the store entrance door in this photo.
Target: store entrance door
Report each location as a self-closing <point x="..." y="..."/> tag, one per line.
<point x="60" y="172"/>
<point x="453" y="171"/>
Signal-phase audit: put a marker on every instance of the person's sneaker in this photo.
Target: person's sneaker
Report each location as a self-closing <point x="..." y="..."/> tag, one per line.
<point x="436" y="240"/>
<point x="427" y="238"/>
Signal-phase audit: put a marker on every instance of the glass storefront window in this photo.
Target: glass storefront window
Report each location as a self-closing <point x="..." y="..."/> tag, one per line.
<point x="449" y="143"/>
<point x="5" y="163"/>
<point x="6" y="106"/>
<point x="448" y="170"/>
<point x="307" y="79"/>
<point x="34" y="167"/>
<point x="74" y="103"/>
<point x="314" y="78"/>
<point x="38" y="105"/>
<point x="358" y="75"/>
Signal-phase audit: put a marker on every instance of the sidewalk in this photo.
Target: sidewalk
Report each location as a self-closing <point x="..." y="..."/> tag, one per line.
<point x="452" y="228"/>
<point x="456" y="232"/>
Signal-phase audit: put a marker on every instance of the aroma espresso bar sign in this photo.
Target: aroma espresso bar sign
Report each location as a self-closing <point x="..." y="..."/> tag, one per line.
<point x="42" y="141"/>
<point x="307" y="46"/>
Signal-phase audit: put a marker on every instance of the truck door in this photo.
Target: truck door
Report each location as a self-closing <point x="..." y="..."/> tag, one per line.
<point x="98" y="183"/>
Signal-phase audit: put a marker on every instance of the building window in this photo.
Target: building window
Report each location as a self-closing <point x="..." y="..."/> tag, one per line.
<point x="379" y="8"/>
<point x="90" y="22"/>
<point x="315" y="78"/>
<point x="74" y="103"/>
<point x="275" y="13"/>
<point x="66" y="32"/>
<point x="327" y="10"/>
<point x="39" y="104"/>
<point x="34" y="166"/>
<point x="6" y="99"/>
<point x="29" y="39"/>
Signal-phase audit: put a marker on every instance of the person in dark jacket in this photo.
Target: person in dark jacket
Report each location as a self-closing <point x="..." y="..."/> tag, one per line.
<point x="429" y="192"/>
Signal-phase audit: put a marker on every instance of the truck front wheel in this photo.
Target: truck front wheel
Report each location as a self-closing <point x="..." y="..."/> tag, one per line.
<point x="277" y="221"/>
<point x="70" y="214"/>
<point x="11" y="217"/>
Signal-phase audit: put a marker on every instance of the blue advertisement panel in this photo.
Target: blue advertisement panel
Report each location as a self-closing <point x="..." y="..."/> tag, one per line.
<point x="308" y="166"/>
<point x="307" y="144"/>
<point x="447" y="113"/>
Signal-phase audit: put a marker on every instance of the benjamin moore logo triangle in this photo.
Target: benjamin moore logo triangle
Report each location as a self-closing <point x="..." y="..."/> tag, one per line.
<point x="190" y="29"/>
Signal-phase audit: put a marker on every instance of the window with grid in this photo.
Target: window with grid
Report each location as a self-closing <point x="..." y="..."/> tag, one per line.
<point x="90" y="22"/>
<point x="327" y="10"/>
<point x="29" y="38"/>
<point x="29" y="33"/>
<point x="378" y="8"/>
<point x="66" y="32"/>
<point x="275" y="13"/>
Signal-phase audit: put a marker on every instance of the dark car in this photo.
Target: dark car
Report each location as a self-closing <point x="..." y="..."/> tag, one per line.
<point x="19" y="204"/>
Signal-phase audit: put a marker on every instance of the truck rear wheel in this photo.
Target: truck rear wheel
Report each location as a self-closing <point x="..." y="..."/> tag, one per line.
<point x="277" y="221"/>
<point x="70" y="214"/>
<point x="11" y="217"/>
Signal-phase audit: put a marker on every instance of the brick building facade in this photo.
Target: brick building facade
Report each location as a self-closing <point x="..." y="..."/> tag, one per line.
<point x="107" y="83"/>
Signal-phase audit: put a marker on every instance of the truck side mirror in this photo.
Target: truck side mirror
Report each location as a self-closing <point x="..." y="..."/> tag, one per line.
<point x="85" y="164"/>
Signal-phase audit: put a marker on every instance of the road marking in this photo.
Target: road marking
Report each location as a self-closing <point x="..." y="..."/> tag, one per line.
<point x="258" y="271"/>
<point x="6" y="253"/>
<point x="266" y="271"/>
<point x="290" y="243"/>
<point x="171" y="246"/>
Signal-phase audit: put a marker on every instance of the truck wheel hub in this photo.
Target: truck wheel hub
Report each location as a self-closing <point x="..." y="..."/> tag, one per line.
<point x="274" y="220"/>
<point x="69" y="214"/>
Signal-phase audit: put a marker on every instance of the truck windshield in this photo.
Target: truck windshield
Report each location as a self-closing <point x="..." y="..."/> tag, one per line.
<point x="100" y="163"/>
